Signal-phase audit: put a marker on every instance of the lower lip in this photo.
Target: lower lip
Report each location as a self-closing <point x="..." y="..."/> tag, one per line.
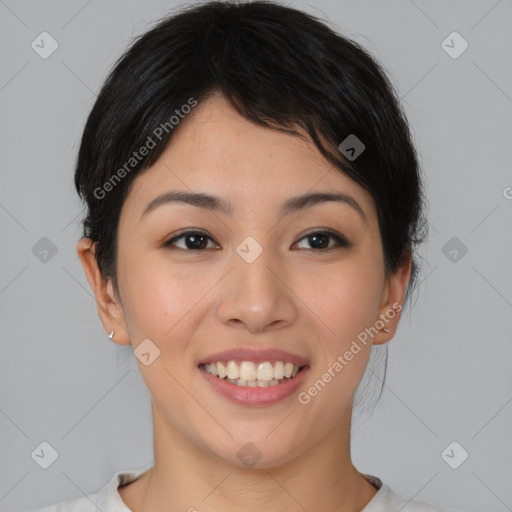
<point x="243" y="395"/>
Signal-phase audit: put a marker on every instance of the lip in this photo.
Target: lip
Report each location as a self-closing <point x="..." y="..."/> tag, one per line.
<point x="254" y="355"/>
<point x="254" y="397"/>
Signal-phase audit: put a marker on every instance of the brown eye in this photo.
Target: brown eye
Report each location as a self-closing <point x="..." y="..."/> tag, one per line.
<point x="193" y="240"/>
<point x="319" y="240"/>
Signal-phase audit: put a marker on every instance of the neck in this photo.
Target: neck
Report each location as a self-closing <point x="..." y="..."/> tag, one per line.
<point x="188" y="478"/>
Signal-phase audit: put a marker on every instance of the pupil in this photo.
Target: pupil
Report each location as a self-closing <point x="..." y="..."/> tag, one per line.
<point x="316" y="237"/>
<point x="196" y="241"/>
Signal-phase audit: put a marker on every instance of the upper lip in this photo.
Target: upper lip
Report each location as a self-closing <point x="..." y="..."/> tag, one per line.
<point x="254" y="355"/>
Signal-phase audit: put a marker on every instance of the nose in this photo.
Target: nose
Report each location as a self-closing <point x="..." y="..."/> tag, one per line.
<point x="256" y="296"/>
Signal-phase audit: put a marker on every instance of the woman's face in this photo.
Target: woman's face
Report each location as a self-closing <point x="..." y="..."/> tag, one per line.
<point x="255" y="282"/>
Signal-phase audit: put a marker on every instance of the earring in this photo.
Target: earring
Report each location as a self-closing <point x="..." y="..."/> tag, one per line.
<point x="111" y="335"/>
<point x="385" y="329"/>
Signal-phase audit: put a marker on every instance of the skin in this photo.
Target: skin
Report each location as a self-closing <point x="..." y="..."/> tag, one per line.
<point x="294" y="296"/>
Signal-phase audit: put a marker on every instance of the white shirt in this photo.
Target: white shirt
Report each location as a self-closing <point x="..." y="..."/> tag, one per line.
<point x="109" y="500"/>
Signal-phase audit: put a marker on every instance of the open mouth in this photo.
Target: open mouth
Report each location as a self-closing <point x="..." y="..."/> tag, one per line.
<point x="251" y="374"/>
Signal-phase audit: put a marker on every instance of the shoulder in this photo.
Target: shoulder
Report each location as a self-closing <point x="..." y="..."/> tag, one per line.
<point x="388" y="501"/>
<point x="107" y="498"/>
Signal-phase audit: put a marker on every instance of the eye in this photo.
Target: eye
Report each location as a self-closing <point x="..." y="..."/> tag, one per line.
<point x="319" y="239"/>
<point x="197" y="240"/>
<point x="194" y="240"/>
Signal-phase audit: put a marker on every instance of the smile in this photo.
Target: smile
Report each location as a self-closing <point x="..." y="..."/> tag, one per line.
<point x="253" y="374"/>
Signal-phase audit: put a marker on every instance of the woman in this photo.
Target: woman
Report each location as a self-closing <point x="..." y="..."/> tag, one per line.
<point x="254" y="204"/>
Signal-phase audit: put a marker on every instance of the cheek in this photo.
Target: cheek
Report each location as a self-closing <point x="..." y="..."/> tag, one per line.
<point x="156" y="300"/>
<point x="164" y="301"/>
<point x="346" y="302"/>
<point x="345" y="299"/>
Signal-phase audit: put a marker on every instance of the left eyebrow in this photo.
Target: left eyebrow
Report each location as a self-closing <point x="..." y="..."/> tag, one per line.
<point x="220" y="205"/>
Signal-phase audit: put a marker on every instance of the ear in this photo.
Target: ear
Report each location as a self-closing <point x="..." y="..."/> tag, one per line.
<point x="109" y="307"/>
<point x="392" y="300"/>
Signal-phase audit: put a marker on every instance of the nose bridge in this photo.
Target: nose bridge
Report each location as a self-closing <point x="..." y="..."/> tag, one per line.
<point x="257" y="296"/>
<point x="253" y="263"/>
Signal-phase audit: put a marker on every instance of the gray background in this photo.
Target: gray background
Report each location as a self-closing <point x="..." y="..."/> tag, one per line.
<point x="449" y="378"/>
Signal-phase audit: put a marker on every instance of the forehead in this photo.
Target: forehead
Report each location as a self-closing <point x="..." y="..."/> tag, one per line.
<point x="218" y="151"/>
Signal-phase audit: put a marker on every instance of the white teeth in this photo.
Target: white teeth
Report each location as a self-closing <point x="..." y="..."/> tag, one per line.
<point x="221" y="370"/>
<point x="232" y="370"/>
<point x="252" y="374"/>
<point x="278" y="370"/>
<point x="265" y="371"/>
<point x="248" y="370"/>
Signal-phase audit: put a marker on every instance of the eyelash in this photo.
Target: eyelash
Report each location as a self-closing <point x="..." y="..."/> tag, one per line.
<point x="342" y="242"/>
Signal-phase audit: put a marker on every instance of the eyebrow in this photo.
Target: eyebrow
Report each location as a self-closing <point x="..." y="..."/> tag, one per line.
<point x="220" y="205"/>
